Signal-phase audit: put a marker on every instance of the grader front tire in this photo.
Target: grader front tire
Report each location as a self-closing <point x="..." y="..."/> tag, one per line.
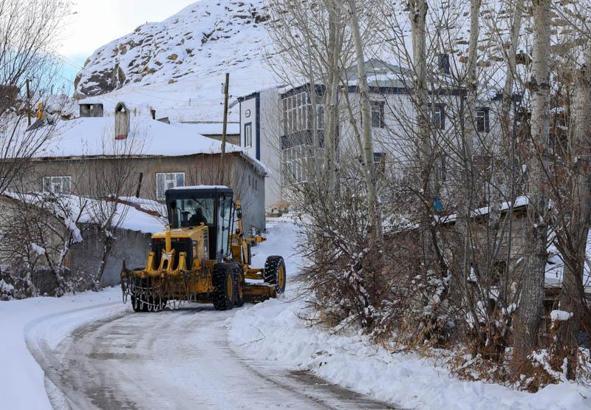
<point x="224" y="287"/>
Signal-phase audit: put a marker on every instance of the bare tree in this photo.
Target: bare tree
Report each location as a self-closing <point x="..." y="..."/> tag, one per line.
<point x="569" y="181"/>
<point x="29" y="31"/>
<point x="108" y="180"/>
<point x="529" y="312"/>
<point x="375" y="222"/>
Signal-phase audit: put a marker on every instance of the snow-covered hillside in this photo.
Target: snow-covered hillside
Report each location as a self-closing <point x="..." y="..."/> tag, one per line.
<point x="177" y="65"/>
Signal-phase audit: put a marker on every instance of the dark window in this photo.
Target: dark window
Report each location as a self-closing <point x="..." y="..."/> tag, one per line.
<point x="377" y="114"/>
<point x="438" y="116"/>
<point x="442" y="171"/>
<point x="379" y="160"/>
<point x="443" y="63"/>
<point x="57" y="184"/>
<point x="320" y="117"/>
<point x="91" y="110"/>
<point x="248" y="134"/>
<point x="165" y="181"/>
<point x="482" y="120"/>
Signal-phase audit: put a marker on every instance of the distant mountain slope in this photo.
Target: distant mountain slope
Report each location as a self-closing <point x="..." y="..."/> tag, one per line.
<point x="177" y="65"/>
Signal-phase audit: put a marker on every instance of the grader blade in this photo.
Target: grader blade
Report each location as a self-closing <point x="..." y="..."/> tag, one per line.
<point x="254" y="293"/>
<point x="155" y="290"/>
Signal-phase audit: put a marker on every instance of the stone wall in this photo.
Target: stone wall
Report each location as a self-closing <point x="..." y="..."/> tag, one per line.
<point x="85" y="257"/>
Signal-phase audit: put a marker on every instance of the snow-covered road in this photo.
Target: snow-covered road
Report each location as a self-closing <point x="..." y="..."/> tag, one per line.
<point x="103" y="355"/>
<point x="174" y="360"/>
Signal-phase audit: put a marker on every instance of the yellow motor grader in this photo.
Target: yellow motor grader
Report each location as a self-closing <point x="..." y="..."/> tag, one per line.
<point x="202" y="257"/>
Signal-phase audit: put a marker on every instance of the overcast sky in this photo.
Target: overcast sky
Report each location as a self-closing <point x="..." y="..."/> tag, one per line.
<point x="95" y="23"/>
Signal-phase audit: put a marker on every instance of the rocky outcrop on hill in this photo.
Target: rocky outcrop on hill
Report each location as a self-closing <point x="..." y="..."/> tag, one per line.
<point x="207" y="37"/>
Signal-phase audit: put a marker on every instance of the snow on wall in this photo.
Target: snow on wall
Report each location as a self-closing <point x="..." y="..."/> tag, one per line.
<point x="131" y="218"/>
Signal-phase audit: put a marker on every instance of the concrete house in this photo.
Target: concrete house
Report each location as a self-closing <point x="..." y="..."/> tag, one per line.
<point x="275" y="123"/>
<point x="95" y="150"/>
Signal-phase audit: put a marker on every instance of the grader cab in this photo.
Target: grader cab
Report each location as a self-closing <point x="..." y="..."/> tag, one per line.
<point x="203" y="256"/>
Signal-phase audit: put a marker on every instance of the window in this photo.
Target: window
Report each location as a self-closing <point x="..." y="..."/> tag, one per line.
<point x="482" y="120"/>
<point x="248" y="134"/>
<point x="57" y="185"/>
<point x="379" y="160"/>
<point x="91" y="110"/>
<point x="297" y="113"/>
<point x="225" y="220"/>
<point x="320" y="117"/>
<point x="441" y="169"/>
<point x="191" y="212"/>
<point x="377" y="114"/>
<point x="438" y="116"/>
<point x="165" y="181"/>
<point x="443" y="63"/>
<point x="296" y="162"/>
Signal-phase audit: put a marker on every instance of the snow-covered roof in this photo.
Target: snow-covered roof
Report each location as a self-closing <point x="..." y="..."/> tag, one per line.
<point x="95" y="137"/>
<point x="382" y="74"/>
<point x="520" y="202"/>
<point x="147" y="137"/>
<point x="213" y="128"/>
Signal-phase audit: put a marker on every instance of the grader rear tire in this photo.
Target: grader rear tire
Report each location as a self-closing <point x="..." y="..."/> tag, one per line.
<point x="224" y="287"/>
<point x="275" y="273"/>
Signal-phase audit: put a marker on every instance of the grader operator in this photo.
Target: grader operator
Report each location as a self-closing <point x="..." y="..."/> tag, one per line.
<point x="203" y="256"/>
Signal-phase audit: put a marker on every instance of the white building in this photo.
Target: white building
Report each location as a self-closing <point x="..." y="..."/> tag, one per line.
<point x="275" y="124"/>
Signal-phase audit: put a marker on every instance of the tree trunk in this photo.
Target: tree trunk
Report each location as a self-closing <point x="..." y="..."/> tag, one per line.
<point x="418" y="19"/>
<point x="572" y="283"/>
<point x="469" y="135"/>
<point x="530" y="310"/>
<point x="331" y="129"/>
<point x="368" y="152"/>
<point x="505" y="114"/>
<point x="418" y="16"/>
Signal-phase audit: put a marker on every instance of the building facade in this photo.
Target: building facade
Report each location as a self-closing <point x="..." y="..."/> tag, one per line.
<point x="149" y="177"/>
<point x="276" y="125"/>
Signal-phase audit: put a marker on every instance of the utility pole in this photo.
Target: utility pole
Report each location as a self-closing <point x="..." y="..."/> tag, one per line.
<point x="28" y="103"/>
<point x="225" y="125"/>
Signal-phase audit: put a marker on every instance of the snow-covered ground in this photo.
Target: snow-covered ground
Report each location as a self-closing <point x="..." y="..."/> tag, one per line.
<point x="267" y="337"/>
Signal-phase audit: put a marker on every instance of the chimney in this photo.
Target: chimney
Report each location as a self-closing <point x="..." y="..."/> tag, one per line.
<point x="121" y="121"/>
